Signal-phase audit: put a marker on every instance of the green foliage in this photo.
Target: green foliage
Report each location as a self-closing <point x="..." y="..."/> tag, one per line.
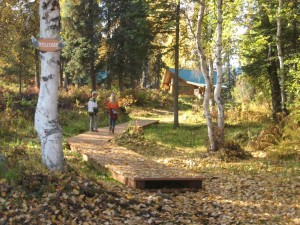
<point x="129" y="41"/>
<point x="18" y="22"/>
<point x="187" y="102"/>
<point x="13" y="101"/>
<point x="81" y="29"/>
<point x="259" y="53"/>
<point x="74" y="98"/>
<point x="243" y="90"/>
<point x="152" y="98"/>
<point x="286" y="144"/>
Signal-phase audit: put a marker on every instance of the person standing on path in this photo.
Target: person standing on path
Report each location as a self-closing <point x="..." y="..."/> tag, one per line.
<point x="93" y="110"/>
<point x="113" y="107"/>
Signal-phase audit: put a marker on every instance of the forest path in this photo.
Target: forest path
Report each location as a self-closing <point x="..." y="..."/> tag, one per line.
<point x="129" y="167"/>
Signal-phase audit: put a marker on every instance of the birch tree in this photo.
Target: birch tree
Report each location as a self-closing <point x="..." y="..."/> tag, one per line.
<point x="204" y="70"/>
<point x="46" y="117"/>
<point x="217" y="92"/>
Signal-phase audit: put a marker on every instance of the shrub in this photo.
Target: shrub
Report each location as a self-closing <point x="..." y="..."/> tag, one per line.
<point x="73" y="97"/>
<point x="232" y="151"/>
<point x="150" y="98"/>
<point x="268" y="137"/>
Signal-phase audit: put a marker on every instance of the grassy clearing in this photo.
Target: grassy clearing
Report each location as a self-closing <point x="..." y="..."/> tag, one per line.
<point x="187" y="145"/>
<point x="257" y="190"/>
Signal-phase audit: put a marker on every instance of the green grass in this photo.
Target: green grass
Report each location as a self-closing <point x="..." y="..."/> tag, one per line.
<point x="73" y="122"/>
<point x="20" y="146"/>
<point x="19" y="142"/>
<point x="185" y="136"/>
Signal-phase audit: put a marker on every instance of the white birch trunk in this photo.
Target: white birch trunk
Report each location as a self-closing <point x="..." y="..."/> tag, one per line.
<point x="211" y="77"/>
<point x="204" y="70"/>
<point x="280" y="56"/>
<point x="218" y="88"/>
<point x="46" y="117"/>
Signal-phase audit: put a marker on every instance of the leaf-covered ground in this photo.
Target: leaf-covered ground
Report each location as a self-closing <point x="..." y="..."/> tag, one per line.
<point x="255" y="190"/>
<point x="245" y="192"/>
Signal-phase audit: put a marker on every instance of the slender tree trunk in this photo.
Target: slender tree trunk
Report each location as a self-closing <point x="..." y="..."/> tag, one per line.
<point x="46" y="117"/>
<point x="280" y="58"/>
<point x="274" y="84"/>
<point x="272" y="67"/>
<point x="143" y="79"/>
<point x="208" y="90"/>
<point x="157" y="69"/>
<point x="217" y="93"/>
<point x="211" y="78"/>
<point x="109" y="78"/>
<point x="121" y="82"/>
<point x="295" y="34"/>
<point x="145" y="75"/>
<point x="228" y="70"/>
<point x="175" y="78"/>
<point x="61" y="73"/>
<point x="20" y="79"/>
<point x="66" y="82"/>
<point x="93" y="75"/>
<point x="90" y="36"/>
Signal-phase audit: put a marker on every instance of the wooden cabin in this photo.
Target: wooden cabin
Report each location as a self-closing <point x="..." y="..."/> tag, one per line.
<point x="189" y="82"/>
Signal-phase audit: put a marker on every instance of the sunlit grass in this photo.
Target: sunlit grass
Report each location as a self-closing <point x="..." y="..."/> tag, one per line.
<point x="185" y="136"/>
<point x="73" y="122"/>
<point x="186" y="146"/>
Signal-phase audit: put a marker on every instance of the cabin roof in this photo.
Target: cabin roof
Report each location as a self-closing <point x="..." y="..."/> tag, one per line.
<point x="192" y="77"/>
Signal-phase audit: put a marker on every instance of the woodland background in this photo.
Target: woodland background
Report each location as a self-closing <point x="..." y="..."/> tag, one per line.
<point x="253" y="179"/>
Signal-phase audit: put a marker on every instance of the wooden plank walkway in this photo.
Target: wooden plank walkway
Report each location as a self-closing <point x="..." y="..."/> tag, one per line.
<point x="127" y="166"/>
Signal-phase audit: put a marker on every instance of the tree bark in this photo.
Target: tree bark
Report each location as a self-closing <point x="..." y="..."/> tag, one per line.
<point x="280" y="58"/>
<point x="46" y="117"/>
<point x="61" y="73"/>
<point x="145" y="75"/>
<point x="66" y="84"/>
<point x="208" y="89"/>
<point x="274" y="84"/>
<point x="211" y="78"/>
<point x="218" y="88"/>
<point x="20" y="78"/>
<point x="93" y="75"/>
<point x="121" y="82"/>
<point x="272" y="66"/>
<point x="175" y="78"/>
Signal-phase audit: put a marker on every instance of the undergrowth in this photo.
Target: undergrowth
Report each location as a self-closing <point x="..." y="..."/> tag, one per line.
<point x="246" y="132"/>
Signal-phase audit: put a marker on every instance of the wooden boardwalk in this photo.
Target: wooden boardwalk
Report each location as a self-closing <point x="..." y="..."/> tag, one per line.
<point x="127" y="166"/>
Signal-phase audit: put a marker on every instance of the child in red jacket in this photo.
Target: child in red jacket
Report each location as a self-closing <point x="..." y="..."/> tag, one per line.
<point x="113" y="107"/>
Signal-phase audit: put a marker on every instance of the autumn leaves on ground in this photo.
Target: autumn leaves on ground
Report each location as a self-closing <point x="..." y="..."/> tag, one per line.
<point x="253" y="179"/>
